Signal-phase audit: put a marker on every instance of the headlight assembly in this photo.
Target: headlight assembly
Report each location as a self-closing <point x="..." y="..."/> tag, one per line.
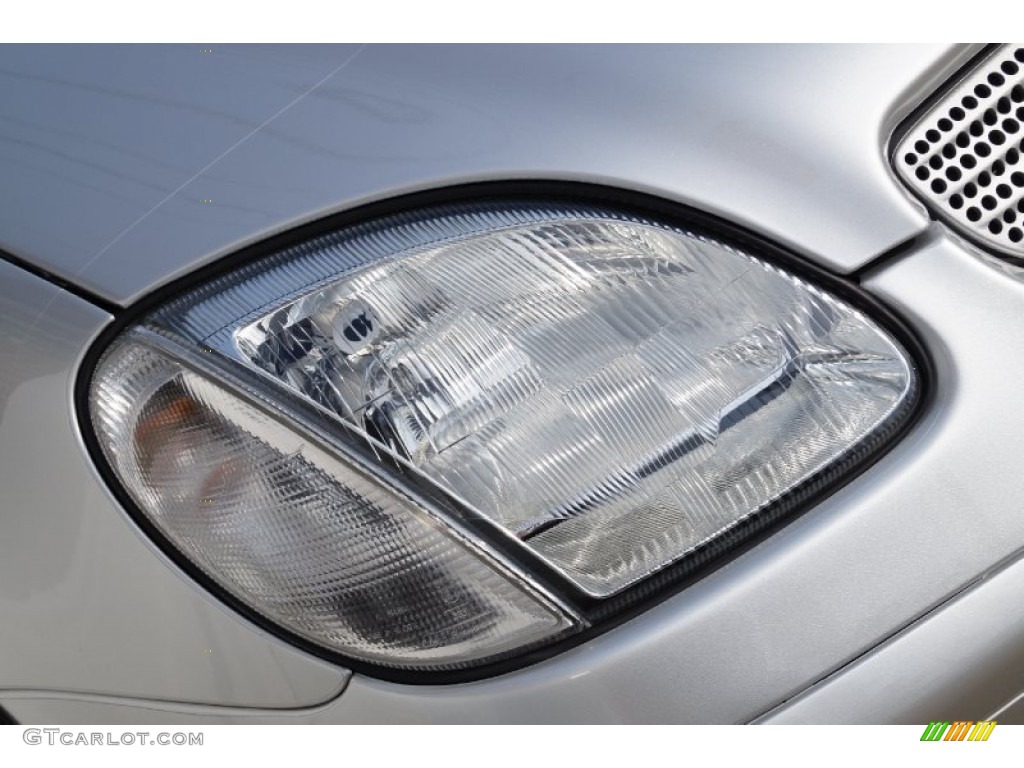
<point x="435" y="440"/>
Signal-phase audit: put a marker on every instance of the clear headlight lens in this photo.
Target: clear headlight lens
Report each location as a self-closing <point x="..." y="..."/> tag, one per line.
<point x="610" y="393"/>
<point x="311" y="542"/>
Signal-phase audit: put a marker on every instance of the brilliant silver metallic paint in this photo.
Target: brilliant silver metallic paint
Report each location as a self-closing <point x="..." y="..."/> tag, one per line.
<point x="121" y="145"/>
<point x="965" y="661"/>
<point x="884" y="555"/>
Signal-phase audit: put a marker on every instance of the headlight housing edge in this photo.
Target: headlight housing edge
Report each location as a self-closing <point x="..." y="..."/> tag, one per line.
<point x="593" y="614"/>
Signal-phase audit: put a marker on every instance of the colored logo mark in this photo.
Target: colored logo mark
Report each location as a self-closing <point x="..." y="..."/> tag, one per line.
<point x="960" y="730"/>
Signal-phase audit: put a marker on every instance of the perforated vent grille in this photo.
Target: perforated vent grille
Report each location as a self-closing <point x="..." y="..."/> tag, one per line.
<point x="965" y="156"/>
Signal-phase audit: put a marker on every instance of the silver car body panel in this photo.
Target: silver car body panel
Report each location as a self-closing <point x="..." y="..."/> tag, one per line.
<point x="123" y="146"/>
<point x="967" y="660"/>
<point x="886" y="559"/>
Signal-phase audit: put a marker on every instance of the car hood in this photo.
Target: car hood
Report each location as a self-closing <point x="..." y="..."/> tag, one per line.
<point x="124" y="167"/>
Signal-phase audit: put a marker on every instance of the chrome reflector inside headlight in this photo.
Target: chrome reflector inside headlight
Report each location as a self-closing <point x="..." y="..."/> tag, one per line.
<point x="606" y="393"/>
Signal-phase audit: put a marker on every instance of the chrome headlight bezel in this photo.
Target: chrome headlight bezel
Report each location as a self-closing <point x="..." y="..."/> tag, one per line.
<point x="597" y="614"/>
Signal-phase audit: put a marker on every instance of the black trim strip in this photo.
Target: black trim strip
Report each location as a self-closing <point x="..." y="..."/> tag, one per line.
<point x="5" y="718"/>
<point x="898" y="251"/>
<point x="603" y="614"/>
<point x="62" y="283"/>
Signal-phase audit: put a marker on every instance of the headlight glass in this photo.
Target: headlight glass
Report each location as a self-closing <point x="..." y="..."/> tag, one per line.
<point x="313" y="543"/>
<point x="608" y="393"/>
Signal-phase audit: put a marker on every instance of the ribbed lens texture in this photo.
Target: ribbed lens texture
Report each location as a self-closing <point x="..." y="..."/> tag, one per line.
<point x="613" y="392"/>
<point x="297" y="534"/>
